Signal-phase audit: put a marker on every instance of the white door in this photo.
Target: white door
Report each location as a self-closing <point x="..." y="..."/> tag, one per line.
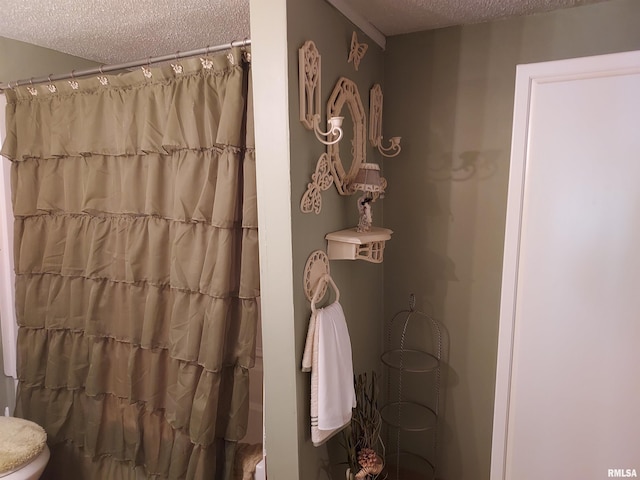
<point x="568" y="380"/>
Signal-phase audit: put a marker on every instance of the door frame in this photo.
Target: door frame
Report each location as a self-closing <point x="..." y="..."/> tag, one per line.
<point x="527" y="78"/>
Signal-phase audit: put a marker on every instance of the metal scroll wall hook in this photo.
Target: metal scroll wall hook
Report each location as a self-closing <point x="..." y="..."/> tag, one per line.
<point x="393" y="149"/>
<point x="375" y="125"/>
<point x="334" y="133"/>
<point x="309" y="78"/>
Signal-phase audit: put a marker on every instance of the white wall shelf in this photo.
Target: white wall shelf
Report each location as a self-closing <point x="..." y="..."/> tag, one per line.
<point x="350" y="244"/>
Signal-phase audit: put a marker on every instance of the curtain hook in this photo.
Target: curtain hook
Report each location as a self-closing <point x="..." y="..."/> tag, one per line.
<point x="146" y="70"/>
<point x="177" y="68"/>
<point x="104" y="81"/>
<point x="73" y="83"/>
<point x="246" y="55"/>
<point x="32" y="90"/>
<point x="207" y="63"/>
<point x="50" y="86"/>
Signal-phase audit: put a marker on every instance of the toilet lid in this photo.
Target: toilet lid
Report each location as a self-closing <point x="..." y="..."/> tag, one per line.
<point x="20" y="442"/>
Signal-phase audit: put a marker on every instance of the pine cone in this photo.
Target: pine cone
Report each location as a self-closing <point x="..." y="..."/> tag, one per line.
<point x="370" y="462"/>
<point x="366" y="457"/>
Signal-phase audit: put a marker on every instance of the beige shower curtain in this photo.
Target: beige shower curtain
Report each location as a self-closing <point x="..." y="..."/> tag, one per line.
<point x="136" y="257"/>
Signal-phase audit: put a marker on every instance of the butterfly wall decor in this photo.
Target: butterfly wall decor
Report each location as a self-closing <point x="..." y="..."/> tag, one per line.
<point x="357" y="51"/>
<point x="321" y="180"/>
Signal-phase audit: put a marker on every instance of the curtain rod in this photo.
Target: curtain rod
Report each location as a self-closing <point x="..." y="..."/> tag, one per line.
<point x="123" y="66"/>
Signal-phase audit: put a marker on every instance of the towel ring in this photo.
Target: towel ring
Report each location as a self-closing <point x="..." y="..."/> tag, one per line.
<point x="324" y="280"/>
<point x="316" y="267"/>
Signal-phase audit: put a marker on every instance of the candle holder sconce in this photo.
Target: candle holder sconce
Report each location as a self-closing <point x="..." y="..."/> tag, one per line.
<point x="375" y="124"/>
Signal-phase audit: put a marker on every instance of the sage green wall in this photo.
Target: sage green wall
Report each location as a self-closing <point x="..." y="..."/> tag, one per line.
<point x="286" y="157"/>
<point x="449" y="93"/>
<point x="19" y="60"/>
<point x="360" y="282"/>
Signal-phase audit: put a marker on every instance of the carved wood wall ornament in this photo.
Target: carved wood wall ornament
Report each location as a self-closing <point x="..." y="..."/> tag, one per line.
<point x="357" y="51"/>
<point x="309" y="66"/>
<point x="375" y="124"/>
<point x="346" y="92"/>
<point x="321" y="180"/>
<point x="317" y="266"/>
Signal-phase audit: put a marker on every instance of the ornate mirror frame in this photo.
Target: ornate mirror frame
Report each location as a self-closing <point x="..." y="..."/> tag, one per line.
<point x="346" y="92"/>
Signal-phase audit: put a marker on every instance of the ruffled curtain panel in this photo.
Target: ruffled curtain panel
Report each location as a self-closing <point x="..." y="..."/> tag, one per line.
<point x="136" y="257"/>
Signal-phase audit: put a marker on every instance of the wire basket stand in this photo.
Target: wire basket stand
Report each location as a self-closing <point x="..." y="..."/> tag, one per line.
<point x="403" y="415"/>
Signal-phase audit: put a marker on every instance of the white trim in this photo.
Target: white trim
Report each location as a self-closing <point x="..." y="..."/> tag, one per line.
<point x="270" y="70"/>
<point x="527" y="78"/>
<point x="360" y="22"/>
<point x="509" y="274"/>
<point x="8" y="324"/>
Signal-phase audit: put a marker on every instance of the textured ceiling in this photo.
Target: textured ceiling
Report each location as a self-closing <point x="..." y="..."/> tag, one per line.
<point x="392" y="17"/>
<point x="114" y="31"/>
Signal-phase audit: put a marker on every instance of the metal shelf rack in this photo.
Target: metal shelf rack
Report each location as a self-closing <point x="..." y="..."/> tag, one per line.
<point x="413" y="347"/>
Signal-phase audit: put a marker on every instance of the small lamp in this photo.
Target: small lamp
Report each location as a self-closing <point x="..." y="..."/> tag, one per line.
<point x="369" y="181"/>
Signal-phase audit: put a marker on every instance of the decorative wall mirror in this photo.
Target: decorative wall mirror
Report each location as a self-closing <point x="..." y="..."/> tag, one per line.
<point x="345" y="164"/>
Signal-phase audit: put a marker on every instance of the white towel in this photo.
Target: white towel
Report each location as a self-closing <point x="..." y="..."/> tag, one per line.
<point x="327" y="355"/>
